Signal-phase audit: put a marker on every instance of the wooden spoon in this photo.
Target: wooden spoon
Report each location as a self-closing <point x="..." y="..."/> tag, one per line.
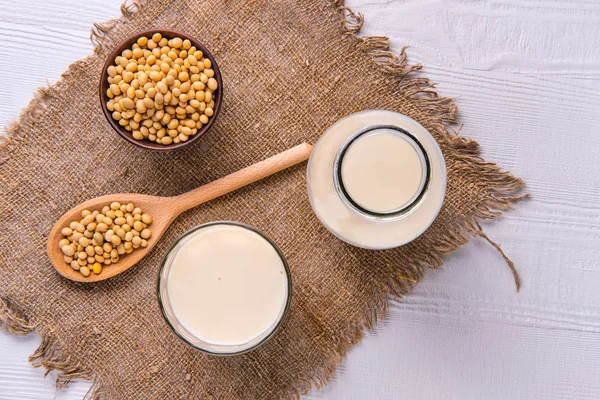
<point x="165" y="209"/>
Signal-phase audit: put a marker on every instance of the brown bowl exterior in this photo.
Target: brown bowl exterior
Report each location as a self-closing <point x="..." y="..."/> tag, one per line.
<point x="104" y="85"/>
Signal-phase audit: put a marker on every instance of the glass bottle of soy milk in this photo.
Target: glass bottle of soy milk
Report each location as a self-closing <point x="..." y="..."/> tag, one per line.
<point x="376" y="179"/>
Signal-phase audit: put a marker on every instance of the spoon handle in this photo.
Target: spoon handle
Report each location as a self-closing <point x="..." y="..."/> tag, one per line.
<point x="243" y="177"/>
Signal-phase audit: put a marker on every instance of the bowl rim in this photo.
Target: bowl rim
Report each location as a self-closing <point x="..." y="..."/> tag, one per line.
<point x="103" y="86"/>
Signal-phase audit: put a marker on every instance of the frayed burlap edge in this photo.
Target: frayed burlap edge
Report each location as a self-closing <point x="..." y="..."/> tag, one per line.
<point x="53" y="355"/>
<point x="13" y="133"/>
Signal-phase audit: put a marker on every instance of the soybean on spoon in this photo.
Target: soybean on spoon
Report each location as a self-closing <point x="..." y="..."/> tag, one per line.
<point x="165" y="209"/>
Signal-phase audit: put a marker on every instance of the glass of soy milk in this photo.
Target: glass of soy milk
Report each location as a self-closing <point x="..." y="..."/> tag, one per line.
<point x="224" y="288"/>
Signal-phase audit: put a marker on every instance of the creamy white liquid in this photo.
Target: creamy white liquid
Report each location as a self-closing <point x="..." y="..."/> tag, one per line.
<point x="344" y="221"/>
<point x="227" y="285"/>
<point x="382" y="172"/>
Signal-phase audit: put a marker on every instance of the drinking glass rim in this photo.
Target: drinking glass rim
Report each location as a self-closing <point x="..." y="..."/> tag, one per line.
<point x="399" y="212"/>
<point x="286" y="267"/>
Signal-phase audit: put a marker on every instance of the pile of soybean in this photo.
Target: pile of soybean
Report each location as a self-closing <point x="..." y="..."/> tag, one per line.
<point x="161" y="89"/>
<point x="99" y="238"/>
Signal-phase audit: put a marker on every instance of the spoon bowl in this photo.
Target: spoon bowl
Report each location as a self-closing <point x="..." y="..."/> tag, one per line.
<point x="164" y="210"/>
<point x="158" y="207"/>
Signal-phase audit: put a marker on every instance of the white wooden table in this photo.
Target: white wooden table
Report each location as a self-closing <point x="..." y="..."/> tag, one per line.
<point x="526" y="74"/>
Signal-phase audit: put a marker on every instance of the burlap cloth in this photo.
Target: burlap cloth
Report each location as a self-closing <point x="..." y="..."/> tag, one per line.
<point x="290" y="70"/>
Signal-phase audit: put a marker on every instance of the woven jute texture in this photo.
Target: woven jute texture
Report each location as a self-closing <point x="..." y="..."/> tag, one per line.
<point x="290" y="70"/>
